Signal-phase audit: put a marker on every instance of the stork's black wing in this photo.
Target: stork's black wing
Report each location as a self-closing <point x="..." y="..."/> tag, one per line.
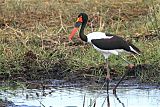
<point x="115" y="42"/>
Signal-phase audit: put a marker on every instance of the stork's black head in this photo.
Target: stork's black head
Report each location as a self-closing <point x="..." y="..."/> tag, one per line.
<point x="82" y="19"/>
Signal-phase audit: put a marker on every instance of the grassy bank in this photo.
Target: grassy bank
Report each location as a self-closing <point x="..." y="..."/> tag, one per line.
<point x="34" y="37"/>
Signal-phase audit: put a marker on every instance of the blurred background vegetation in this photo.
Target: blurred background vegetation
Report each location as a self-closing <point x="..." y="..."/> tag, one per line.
<point x="34" y="37"/>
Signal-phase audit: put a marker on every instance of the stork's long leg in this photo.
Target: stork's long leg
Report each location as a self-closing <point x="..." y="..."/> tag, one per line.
<point x="125" y="73"/>
<point x="108" y="101"/>
<point x="114" y="89"/>
<point x="108" y="74"/>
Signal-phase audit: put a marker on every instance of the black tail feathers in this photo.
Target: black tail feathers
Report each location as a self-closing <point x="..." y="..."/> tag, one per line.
<point x="134" y="49"/>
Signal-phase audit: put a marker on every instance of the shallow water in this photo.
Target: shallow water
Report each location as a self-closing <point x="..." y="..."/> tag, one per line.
<point x="74" y="97"/>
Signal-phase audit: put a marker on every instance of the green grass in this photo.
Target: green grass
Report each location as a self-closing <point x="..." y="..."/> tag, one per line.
<point x="43" y="28"/>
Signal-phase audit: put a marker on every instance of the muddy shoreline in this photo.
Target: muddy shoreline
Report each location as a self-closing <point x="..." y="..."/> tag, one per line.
<point x="79" y="78"/>
<point x="82" y="76"/>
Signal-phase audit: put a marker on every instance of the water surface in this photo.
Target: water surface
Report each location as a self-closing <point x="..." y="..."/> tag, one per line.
<point x="79" y="97"/>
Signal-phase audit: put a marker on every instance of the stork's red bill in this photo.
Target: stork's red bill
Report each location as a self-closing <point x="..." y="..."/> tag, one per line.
<point x="75" y="29"/>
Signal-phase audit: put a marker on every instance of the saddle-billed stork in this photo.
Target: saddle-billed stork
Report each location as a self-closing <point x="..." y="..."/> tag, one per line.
<point x="105" y="43"/>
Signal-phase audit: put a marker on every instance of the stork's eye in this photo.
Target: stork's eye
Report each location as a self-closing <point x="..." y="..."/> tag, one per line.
<point x="79" y="19"/>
